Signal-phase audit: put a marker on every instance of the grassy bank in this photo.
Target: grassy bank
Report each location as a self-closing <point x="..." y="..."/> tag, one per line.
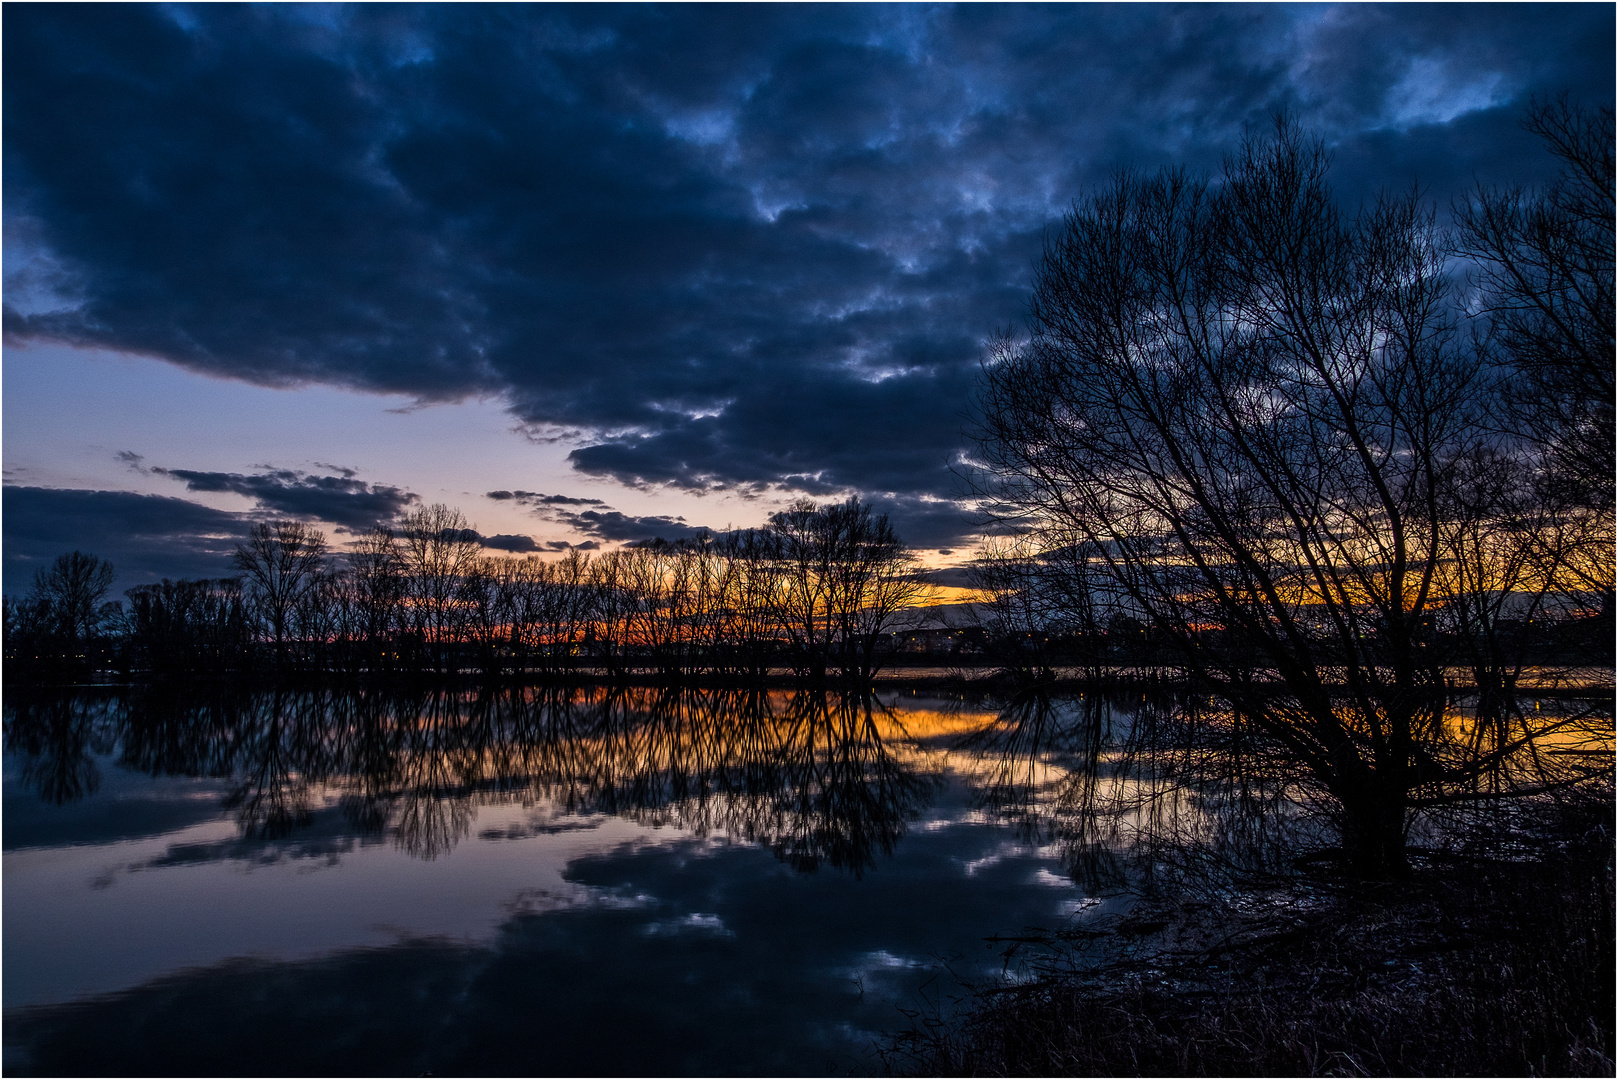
<point x="1480" y="964"/>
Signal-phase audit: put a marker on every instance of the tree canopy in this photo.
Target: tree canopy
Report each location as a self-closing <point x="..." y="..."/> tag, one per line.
<point x="1263" y="421"/>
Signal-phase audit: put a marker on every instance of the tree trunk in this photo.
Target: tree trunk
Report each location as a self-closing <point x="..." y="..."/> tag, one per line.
<point x="1373" y="827"/>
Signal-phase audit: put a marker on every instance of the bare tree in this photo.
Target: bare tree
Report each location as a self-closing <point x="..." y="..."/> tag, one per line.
<point x="799" y="548"/>
<point x="656" y="584"/>
<point x="377" y="577"/>
<point x="830" y="578"/>
<point x="1247" y="405"/>
<point x="198" y="625"/>
<point x="54" y="631"/>
<point x="438" y="549"/>
<point x="561" y="599"/>
<point x="323" y="620"/>
<point x="870" y="578"/>
<point x="70" y="595"/>
<point x="750" y="590"/>
<point x="610" y="611"/>
<point x="1037" y="590"/>
<point x="1544" y="264"/>
<point x="281" y="561"/>
<point x="820" y="585"/>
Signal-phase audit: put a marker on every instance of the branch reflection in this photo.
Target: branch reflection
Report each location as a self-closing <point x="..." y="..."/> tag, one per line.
<point x="808" y="774"/>
<point x="1131" y="788"/>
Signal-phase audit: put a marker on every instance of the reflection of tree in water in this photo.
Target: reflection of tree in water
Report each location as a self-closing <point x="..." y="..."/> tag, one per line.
<point x="57" y="737"/>
<point x="807" y="774"/>
<point x="1045" y="766"/>
<point x="1134" y="782"/>
<point x="436" y="768"/>
<point x="276" y="758"/>
<point x="374" y="774"/>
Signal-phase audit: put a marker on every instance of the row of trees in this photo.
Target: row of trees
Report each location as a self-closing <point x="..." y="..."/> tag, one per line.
<point x="1327" y="458"/>
<point x="816" y="590"/>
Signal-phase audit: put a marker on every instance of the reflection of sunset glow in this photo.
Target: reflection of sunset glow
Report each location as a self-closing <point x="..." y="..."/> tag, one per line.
<point x="912" y="721"/>
<point x="1113" y="780"/>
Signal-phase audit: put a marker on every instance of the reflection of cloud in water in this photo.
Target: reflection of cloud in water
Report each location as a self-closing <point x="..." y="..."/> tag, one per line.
<point x="556" y="892"/>
<point x="701" y="922"/>
<point x="882" y="959"/>
<point x="324" y="839"/>
<point x="531" y="902"/>
<point x="207" y="893"/>
<point x="714" y="951"/>
<point x="993" y="858"/>
<point x="541" y="825"/>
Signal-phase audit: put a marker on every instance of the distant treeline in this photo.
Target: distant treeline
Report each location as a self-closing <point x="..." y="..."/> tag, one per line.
<point x="816" y="590"/>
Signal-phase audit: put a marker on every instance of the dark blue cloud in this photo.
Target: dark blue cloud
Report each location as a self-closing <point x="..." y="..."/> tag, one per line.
<point x="959" y="577"/>
<point x="536" y="500"/>
<point x="599" y="521"/>
<point x="510" y="542"/>
<point x="352" y="504"/>
<point x="145" y="537"/>
<point x="613" y="525"/>
<point x="725" y="246"/>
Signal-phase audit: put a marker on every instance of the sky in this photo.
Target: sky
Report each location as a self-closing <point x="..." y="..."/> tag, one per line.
<point x="601" y="273"/>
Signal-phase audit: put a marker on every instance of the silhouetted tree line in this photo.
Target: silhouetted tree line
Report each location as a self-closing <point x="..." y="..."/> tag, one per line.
<point x="806" y="773"/>
<point x="815" y="590"/>
<point x="1336" y="463"/>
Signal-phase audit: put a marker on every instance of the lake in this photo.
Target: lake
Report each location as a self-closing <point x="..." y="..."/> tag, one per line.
<point x="533" y="881"/>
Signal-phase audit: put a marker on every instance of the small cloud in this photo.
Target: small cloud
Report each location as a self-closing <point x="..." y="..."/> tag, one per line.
<point x="510" y="542"/>
<point x="596" y="519"/>
<point x="536" y="500"/>
<point x="342" y="500"/>
<point x="615" y="525"/>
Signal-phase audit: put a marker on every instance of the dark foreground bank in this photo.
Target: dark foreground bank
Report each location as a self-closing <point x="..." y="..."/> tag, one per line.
<point x="1493" y="961"/>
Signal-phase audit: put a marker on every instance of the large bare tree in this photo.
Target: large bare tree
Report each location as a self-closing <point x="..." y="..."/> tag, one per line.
<point x="1249" y="406"/>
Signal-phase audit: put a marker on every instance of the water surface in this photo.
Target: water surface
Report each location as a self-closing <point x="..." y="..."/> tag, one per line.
<point x="522" y="881"/>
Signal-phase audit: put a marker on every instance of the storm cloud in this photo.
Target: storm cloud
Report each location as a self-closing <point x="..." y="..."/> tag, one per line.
<point x="718" y="247"/>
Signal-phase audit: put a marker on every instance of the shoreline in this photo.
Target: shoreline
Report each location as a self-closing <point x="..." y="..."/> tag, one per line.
<point x="1477" y="964"/>
<point x="1571" y="682"/>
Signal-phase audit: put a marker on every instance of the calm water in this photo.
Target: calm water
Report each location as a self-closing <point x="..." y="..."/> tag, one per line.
<point x="521" y="882"/>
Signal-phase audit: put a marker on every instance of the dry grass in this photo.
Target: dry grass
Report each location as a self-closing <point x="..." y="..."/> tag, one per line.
<point x="1475" y="967"/>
